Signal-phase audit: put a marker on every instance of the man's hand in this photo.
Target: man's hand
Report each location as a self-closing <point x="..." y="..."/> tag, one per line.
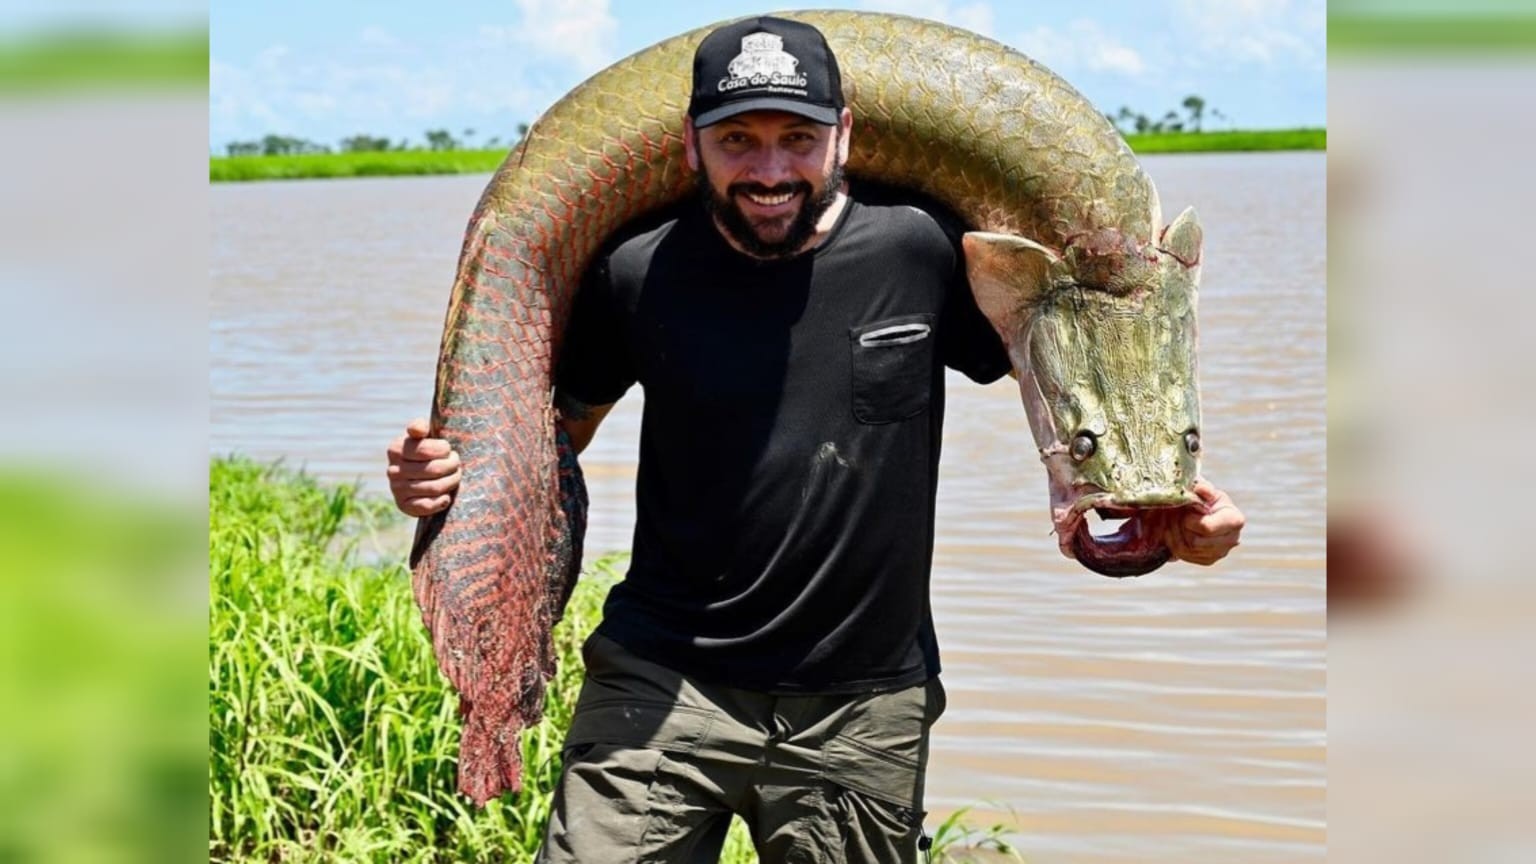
<point x="1205" y="533"/>
<point x="424" y="473"/>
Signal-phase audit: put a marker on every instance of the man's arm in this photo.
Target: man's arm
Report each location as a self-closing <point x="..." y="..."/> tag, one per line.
<point x="578" y="419"/>
<point x="424" y="473"/>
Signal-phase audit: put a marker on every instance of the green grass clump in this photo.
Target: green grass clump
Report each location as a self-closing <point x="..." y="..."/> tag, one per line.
<point x="1237" y="141"/>
<point x="389" y="163"/>
<point x="331" y="734"/>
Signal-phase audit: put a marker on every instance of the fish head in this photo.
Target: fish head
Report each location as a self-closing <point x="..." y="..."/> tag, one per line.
<point x="1103" y="340"/>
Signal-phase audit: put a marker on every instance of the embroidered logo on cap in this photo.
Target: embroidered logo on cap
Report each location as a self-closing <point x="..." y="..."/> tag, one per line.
<point x="763" y="62"/>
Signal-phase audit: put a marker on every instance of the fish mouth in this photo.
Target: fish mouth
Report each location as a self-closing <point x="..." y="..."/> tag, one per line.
<point x="1138" y="546"/>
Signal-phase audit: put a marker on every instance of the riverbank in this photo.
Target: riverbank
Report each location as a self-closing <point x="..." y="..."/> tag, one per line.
<point x="397" y="163"/>
<point x="331" y="731"/>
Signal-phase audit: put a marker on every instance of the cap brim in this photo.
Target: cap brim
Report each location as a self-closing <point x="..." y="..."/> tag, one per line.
<point x="820" y="113"/>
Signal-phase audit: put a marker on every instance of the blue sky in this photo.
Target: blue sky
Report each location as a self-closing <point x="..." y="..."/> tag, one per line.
<point x="327" y="70"/>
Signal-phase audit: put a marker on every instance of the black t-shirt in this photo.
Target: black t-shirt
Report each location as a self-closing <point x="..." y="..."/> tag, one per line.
<point x="789" y="447"/>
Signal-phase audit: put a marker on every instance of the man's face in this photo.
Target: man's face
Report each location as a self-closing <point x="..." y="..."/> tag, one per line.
<point x="768" y="177"/>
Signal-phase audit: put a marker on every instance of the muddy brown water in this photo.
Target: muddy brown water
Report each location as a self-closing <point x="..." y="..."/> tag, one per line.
<point x="1178" y="717"/>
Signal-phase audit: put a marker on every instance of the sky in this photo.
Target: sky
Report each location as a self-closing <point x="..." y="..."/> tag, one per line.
<point x="326" y="71"/>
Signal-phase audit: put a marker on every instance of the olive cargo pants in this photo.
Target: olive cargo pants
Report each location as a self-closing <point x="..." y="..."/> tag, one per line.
<point x="656" y="764"/>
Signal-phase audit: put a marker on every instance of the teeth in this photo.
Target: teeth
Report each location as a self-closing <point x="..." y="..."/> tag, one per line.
<point x="770" y="200"/>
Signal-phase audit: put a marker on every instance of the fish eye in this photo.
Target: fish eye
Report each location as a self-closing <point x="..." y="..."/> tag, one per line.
<point x="1083" y="445"/>
<point x="1192" y="441"/>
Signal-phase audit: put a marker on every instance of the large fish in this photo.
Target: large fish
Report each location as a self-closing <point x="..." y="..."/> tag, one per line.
<point x="1068" y="259"/>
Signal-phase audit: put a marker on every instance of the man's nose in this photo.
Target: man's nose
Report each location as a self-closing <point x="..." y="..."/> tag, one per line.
<point x="770" y="166"/>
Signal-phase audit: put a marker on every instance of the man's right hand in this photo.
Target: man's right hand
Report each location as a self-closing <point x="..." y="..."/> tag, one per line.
<point x="423" y="472"/>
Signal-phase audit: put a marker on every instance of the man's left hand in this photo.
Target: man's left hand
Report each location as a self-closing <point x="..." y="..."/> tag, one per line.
<point x="1204" y="533"/>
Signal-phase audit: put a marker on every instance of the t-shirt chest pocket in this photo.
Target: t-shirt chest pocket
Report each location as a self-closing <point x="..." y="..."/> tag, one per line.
<point x="892" y="368"/>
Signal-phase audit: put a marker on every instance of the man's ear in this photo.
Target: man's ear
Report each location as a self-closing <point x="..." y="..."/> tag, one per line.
<point x="690" y="143"/>
<point x="845" y="123"/>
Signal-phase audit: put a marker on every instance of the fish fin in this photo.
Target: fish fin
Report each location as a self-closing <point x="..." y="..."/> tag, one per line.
<point x="1007" y="273"/>
<point x="1180" y="246"/>
<point x="1182" y="240"/>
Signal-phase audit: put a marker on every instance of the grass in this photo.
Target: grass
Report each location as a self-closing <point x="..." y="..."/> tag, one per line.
<point x="1229" y="142"/>
<point x="331" y="735"/>
<point x="414" y="162"/>
<point x="393" y="163"/>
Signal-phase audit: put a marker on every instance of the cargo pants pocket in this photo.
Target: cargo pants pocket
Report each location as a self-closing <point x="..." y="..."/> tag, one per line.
<point x="623" y="796"/>
<point x="874" y="774"/>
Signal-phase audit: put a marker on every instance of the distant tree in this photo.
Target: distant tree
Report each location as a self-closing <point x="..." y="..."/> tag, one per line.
<point x="469" y="135"/>
<point x="364" y="144"/>
<point x="1196" y="108"/>
<point x="1124" y="119"/>
<point x="522" y="131"/>
<point x="494" y="143"/>
<point x="1216" y="113"/>
<point x="1142" y="125"/>
<point x="243" y="148"/>
<point x="1171" y="123"/>
<point x="287" y="145"/>
<point x="441" y="139"/>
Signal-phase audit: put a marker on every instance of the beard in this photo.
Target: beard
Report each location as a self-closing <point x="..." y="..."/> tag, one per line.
<point x="729" y="216"/>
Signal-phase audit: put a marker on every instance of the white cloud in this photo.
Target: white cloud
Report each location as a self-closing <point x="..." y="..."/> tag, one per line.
<point x="399" y="85"/>
<point x="375" y="36"/>
<point x="580" y="31"/>
<point x="976" y="17"/>
<point x="1085" y="46"/>
<point x="1263" y="32"/>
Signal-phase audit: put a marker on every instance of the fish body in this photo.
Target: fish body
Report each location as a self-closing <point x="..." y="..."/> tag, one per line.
<point x="1011" y="148"/>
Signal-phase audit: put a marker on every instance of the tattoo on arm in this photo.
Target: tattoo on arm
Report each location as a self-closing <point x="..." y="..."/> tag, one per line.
<point x="570" y="407"/>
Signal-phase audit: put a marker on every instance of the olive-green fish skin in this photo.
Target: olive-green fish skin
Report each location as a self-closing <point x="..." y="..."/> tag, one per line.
<point x="1005" y="143"/>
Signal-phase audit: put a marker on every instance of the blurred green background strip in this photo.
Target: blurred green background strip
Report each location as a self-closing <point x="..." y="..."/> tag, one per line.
<point x="103" y="59"/>
<point x="1431" y="33"/>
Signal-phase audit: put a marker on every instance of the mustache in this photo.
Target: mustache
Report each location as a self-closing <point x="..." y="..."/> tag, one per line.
<point x="789" y="188"/>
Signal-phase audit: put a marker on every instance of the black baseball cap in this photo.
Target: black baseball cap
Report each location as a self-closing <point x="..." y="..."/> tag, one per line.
<point x="765" y="64"/>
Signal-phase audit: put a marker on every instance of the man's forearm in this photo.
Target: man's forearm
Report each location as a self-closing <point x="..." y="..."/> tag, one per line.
<point x="578" y="419"/>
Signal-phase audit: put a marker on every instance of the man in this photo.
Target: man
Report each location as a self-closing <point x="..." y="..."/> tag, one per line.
<point x="771" y="651"/>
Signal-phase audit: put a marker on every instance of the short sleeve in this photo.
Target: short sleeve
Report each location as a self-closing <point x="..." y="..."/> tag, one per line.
<point x="596" y="365"/>
<point x="967" y="342"/>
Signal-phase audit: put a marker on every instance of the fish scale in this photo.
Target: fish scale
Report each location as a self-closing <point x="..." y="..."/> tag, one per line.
<point x="998" y="138"/>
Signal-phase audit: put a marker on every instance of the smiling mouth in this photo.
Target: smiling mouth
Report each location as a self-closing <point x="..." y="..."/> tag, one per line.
<point x="769" y="200"/>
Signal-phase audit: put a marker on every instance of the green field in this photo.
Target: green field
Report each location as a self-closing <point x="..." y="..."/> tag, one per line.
<point x="1229" y="142"/>
<point x="372" y="164"/>
<point x="413" y="162"/>
<point x="331" y="735"/>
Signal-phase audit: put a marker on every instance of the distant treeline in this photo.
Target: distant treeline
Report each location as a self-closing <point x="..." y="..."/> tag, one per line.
<point x="1128" y="122"/>
<point x="1133" y="122"/>
<point x="435" y="140"/>
<point x="414" y="162"/>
